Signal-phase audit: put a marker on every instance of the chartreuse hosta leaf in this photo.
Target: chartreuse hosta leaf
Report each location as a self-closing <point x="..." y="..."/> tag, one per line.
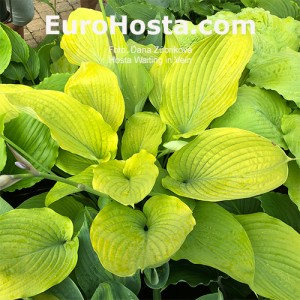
<point x="224" y="164"/>
<point x="278" y="72"/>
<point x="72" y="163"/>
<point x="143" y="130"/>
<point x="264" y="112"/>
<point x="88" y="45"/>
<point x="219" y="241"/>
<point x="196" y="92"/>
<point x="127" y="240"/>
<point x="292" y="183"/>
<point x="136" y="85"/>
<point x="2" y="144"/>
<point x="127" y="182"/>
<point x="4" y="206"/>
<point x="37" y="251"/>
<point x="5" y="50"/>
<point x="161" y="67"/>
<point x="97" y="86"/>
<point x="276" y="249"/>
<point x="291" y="130"/>
<point x="6" y="108"/>
<point x="77" y="128"/>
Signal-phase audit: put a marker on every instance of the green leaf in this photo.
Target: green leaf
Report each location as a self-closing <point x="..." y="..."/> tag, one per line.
<point x="242" y="206"/>
<point x="214" y="296"/>
<point x="219" y="241"/>
<point x="20" y="50"/>
<point x="127" y="240"/>
<point x="281" y="207"/>
<point x="136" y="85"/>
<point x="225" y="164"/>
<point x="291" y="130"/>
<point x="55" y="82"/>
<point x="2" y="144"/>
<point x="265" y="110"/>
<point x="76" y="127"/>
<point x="203" y="84"/>
<point x="192" y="274"/>
<point x="89" y="272"/>
<point x="34" y="138"/>
<point x="88" y="45"/>
<point x="62" y="65"/>
<point x="278" y="72"/>
<point x="44" y="57"/>
<point x="5" y="50"/>
<point x="112" y="291"/>
<point x="127" y="182"/>
<point x="4" y="206"/>
<point x="98" y="87"/>
<point x="29" y="236"/>
<point x="276" y="249"/>
<point x="7" y="109"/>
<point x="143" y="130"/>
<point x="32" y="65"/>
<point x="15" y="71"/>
<point x="61" y="190"/>
<point x="71" y="163"/>
<point x="62" y="291"/>
<point x="280" y="8"/>
<point x="37" y="201"/>
<point x="292" y="183"/>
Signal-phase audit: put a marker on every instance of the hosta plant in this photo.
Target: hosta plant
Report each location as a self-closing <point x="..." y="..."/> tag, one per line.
<point x="175" y="169"/>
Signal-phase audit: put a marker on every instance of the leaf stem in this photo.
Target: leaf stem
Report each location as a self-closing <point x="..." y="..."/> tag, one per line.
<point x="80" y="186"/>
<point x="156" y="294"/>
<point x="24" y="153"/>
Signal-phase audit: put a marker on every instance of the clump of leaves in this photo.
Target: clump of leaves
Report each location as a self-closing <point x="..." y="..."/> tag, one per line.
<point x="184" y="179"/>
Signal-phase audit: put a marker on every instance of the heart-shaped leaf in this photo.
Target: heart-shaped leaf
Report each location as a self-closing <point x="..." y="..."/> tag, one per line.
<point x="127" y="182"/>
<point x="276" y="249"/>
<point x="143" y="130"/>
<point x="37" y="251"/>
<point x="77" y="128"/>
<point x="98" y="87"/>
<point x="219" y="241"/>
<point x="127" y="240"/>
<point x="201" y="89"/>
<point x="225" y="164"/>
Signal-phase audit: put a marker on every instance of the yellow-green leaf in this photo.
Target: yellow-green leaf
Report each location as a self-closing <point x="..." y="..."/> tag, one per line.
<point x="98" y="87"/>
<point x="37" y="251"/>
<point x="224" y="164"/>
<point x="5" y="50"/>
<point x="293" y="183"/>
<point x="127" y="240"/>
<point x="218" y="240"/>
<point x="276" y="249"/>
<point x="88" y="45"/>
<point x="205" y="86"/>
<point x="143" y="130"/>
<point x="76" y="127"/>
<point x="127" y="182"/>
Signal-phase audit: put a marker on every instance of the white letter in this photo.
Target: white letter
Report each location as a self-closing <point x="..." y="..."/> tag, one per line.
<point x="83" y="24"/>
<point x="236" y="23"/>
<point x="181" y="27"/>
<point x="165" y="21"/>
<point x="153" y="27"/>
<point x="142" y="27"/>
<point x="49" y="24"/>
<point x="202" y="27"/>
<point x="218" y="27"/>
<point x="114" y="24"/>
<point x="95" y="27"/>
<point x="73" y="27"/>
